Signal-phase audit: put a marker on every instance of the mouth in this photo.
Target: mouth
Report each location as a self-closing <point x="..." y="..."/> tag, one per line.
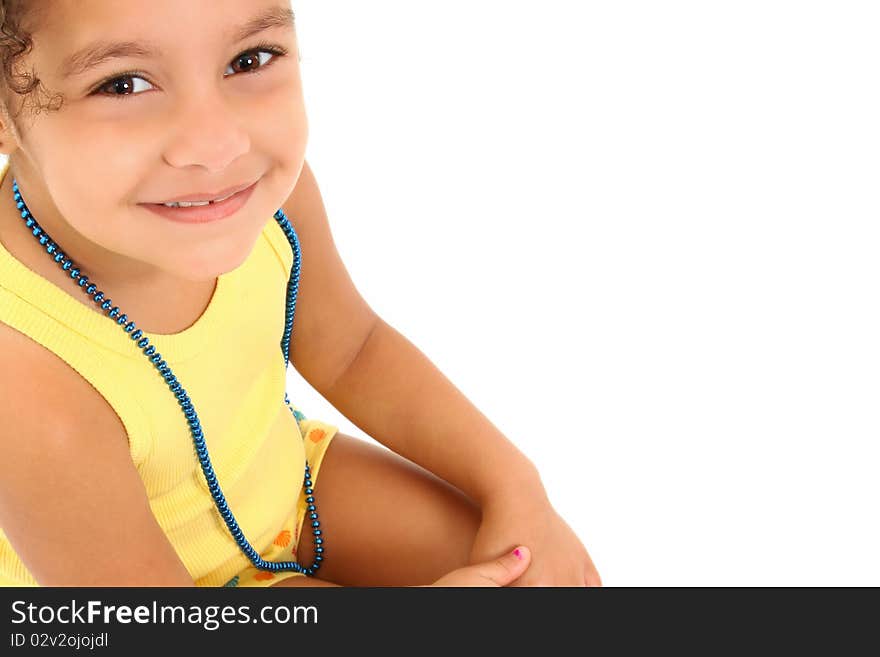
<point x="204" y="212"/>
<point x="203" y="198"/>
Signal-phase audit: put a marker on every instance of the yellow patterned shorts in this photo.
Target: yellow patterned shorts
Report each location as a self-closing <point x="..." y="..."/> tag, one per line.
<point x="317" y="436"/>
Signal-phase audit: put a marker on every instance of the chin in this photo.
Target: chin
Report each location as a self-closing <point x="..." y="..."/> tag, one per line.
<point x="207" y="266"/>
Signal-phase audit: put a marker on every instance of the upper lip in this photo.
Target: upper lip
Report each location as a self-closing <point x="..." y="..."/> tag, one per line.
<point x="207" y="196"/>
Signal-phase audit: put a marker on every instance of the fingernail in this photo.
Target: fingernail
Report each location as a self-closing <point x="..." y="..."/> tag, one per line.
<point x="518" y="553"/>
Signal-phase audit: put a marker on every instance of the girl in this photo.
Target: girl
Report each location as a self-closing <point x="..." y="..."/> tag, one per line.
<point x="160" y="229"/>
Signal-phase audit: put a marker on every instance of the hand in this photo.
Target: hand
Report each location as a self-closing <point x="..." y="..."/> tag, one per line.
<point x="498" y="572"/>
<point x="558" y="558"/>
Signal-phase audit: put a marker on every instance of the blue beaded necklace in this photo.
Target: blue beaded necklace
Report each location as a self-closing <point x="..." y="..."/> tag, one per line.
<point x="189" y="412"/>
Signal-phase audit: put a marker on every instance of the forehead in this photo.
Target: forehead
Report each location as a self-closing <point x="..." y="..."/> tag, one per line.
<point x="85" y="32"/>
<point x="75" y="18"/>
<point x="76" y="15"/>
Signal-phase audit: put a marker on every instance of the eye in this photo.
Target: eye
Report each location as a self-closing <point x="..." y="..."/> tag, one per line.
<point x="116" y="86"/>
<point x="247" y="55"/>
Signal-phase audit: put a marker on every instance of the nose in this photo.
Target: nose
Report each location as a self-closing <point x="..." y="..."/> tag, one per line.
<point x="208" y="131"/>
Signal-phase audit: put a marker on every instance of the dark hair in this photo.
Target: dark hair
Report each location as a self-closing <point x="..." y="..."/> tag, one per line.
<point x="15" y="42"/>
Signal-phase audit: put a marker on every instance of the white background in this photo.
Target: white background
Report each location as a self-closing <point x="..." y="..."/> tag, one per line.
<point x="642" y="238"/>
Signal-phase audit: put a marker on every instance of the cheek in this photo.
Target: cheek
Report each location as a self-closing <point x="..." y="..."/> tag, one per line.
<point x="284" y="141"/>
<point x="101" y="221"/>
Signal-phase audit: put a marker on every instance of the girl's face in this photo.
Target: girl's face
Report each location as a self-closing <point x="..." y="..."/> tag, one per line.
<point x="208" y="109"/>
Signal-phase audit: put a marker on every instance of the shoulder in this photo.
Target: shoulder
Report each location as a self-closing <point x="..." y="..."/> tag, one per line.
<point x="332" y="318"/>
<point x="37" y="386"/>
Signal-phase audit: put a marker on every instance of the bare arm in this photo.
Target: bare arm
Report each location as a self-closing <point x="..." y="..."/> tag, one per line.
<point x="71" y="501"/>
<point x="398" y="396"/>
<point x="332" y="319"/>
<point x="380" y="380"/>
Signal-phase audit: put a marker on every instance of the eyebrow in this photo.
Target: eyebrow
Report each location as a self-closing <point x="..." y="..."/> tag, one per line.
<point x="101" y="51"/>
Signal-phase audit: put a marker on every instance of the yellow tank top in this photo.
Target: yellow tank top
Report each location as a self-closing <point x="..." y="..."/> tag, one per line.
<point x="231" y="364"/>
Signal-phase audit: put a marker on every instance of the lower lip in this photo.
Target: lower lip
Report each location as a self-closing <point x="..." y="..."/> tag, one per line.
<point x="203" y="214"/>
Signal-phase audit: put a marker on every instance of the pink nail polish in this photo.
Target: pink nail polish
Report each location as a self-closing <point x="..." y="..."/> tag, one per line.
<point x="517" y="553"/>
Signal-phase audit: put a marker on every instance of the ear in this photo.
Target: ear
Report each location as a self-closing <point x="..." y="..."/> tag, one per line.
<point x="10" y="138"/>
<point x="8" y="133"/>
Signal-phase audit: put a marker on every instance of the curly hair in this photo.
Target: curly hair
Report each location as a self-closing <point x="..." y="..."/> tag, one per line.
<point x="15" y="42"/>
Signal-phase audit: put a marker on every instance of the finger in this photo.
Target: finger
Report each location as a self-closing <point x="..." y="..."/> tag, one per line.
<point x="504" y="570"/>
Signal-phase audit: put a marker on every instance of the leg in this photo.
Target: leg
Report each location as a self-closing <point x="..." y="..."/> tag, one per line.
<point x="386" y="520"/>
<point x="305" y="581"/>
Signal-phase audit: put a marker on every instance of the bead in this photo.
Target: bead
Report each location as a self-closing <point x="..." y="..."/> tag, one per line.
<point x="54" y="251"/>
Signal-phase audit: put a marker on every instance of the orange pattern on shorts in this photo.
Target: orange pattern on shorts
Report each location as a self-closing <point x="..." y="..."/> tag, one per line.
<point x="264" y="574"/>
<point x="316" y="435"/>
<point x="283" y="539"/>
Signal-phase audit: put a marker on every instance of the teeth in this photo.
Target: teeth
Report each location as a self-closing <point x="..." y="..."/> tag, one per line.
<point x="185" y="204"/>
